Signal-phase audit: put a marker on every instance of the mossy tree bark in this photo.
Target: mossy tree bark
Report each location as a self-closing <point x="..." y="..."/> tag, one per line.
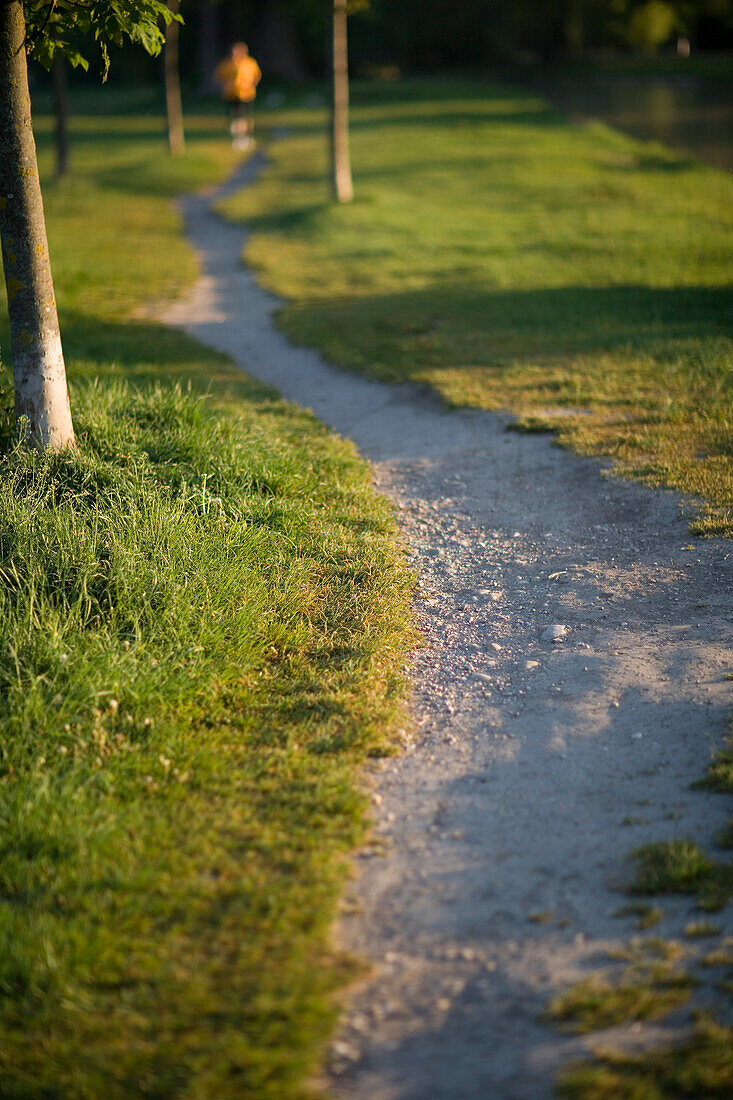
<point x="173" y="103"/>
<point x="343" y="188"/>
<point x="39" y="374"/>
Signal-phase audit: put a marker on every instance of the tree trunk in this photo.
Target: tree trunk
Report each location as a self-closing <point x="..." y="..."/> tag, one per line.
<point x="41" y="394"/>
<point x="173" y="104"/>
<point x="62" y="117"/>
<point x="343" y="188"/>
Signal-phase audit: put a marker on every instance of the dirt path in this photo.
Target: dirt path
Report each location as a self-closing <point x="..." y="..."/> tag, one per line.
<point x="531" y="756"/>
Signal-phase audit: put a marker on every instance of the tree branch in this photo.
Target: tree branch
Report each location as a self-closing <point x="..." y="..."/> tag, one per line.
<point x="30" y="42"/>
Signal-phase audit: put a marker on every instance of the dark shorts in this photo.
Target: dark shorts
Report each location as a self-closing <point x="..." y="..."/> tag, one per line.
<point x="240" y="108"/>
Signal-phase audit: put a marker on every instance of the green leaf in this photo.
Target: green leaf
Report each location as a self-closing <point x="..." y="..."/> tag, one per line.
<point x="67" y="29"/>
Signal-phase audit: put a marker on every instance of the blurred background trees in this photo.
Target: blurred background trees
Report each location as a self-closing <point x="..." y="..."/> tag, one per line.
<point x="289" y="38"/>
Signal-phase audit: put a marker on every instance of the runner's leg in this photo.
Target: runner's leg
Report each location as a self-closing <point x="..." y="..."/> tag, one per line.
<point x="235" y="118"/>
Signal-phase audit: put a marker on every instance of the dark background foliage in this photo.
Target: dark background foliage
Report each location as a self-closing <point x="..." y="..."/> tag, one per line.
<point x="289" y="36"/>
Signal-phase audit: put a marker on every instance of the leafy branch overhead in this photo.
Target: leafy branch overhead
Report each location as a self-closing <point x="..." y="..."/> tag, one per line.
<point x="60" y="27"/>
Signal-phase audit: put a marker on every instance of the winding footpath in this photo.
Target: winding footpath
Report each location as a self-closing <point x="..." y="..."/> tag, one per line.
<point x="502" y="830"/>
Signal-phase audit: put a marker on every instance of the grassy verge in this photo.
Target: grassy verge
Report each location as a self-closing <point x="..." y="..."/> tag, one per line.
<point x="511" y="259"/>
<point x="203" y="618"/>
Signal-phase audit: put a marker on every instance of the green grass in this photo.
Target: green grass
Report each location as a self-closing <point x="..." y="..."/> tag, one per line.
<point x="719" y="775"/>
<point x="670" y="866"/>
<point x="595" y="1004"/>
<point x="702" y="1067"/>
<point x="510" y="259"/>
<point x="203" y="619"/>
<point x="647" y="915"/>
<point x="135" y="254"/>
<point x="702" y="929"/>
<point x="724" y="837"/>
<point x="681" y="867"/>
<point x="722" y="956"/>
<point x="644" y="956"/>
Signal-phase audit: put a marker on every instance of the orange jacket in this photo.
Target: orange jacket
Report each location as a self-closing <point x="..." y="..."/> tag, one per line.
<point x="238" y="79"/>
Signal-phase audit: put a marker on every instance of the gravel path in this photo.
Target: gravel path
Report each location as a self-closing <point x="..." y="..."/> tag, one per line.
<point x="502" y="830"/>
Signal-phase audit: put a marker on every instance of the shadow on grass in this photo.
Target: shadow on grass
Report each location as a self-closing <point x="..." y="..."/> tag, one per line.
<point x="492" y="326"/>
<point x="145" y="353"/>
<point x="458" y="116"/>
<point x="443" y="89"/>
<point x="652" y="163"/>
<point x="140" y="129"/>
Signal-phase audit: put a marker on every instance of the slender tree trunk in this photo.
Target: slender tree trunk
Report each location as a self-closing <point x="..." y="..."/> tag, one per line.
<point x="62" y="117"/>
<point x="174" y="106"/>
<point x="41" y="394"/>
<point x="343" y="188"/>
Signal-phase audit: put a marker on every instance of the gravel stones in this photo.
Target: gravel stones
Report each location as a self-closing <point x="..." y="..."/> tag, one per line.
<point x="557" y="632"/>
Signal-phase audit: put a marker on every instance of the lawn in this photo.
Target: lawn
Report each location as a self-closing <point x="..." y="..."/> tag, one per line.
<point x="511" y="259"/>
<point x="204" y="615"/>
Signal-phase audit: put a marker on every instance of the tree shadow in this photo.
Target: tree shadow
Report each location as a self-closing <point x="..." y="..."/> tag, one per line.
<point x="143" y="352"/>
<point x="401" y="334"/>
<point x="458" y="115"/>
<point x="655" y="163"/>
<point x="537" y="829"/>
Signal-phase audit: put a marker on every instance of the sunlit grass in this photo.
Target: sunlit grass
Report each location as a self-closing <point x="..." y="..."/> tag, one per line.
<point x="113" y="211"/>
<point x="203" y="619"/>
<point x="511" y="259"/>
<point x="700" y="929"/>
